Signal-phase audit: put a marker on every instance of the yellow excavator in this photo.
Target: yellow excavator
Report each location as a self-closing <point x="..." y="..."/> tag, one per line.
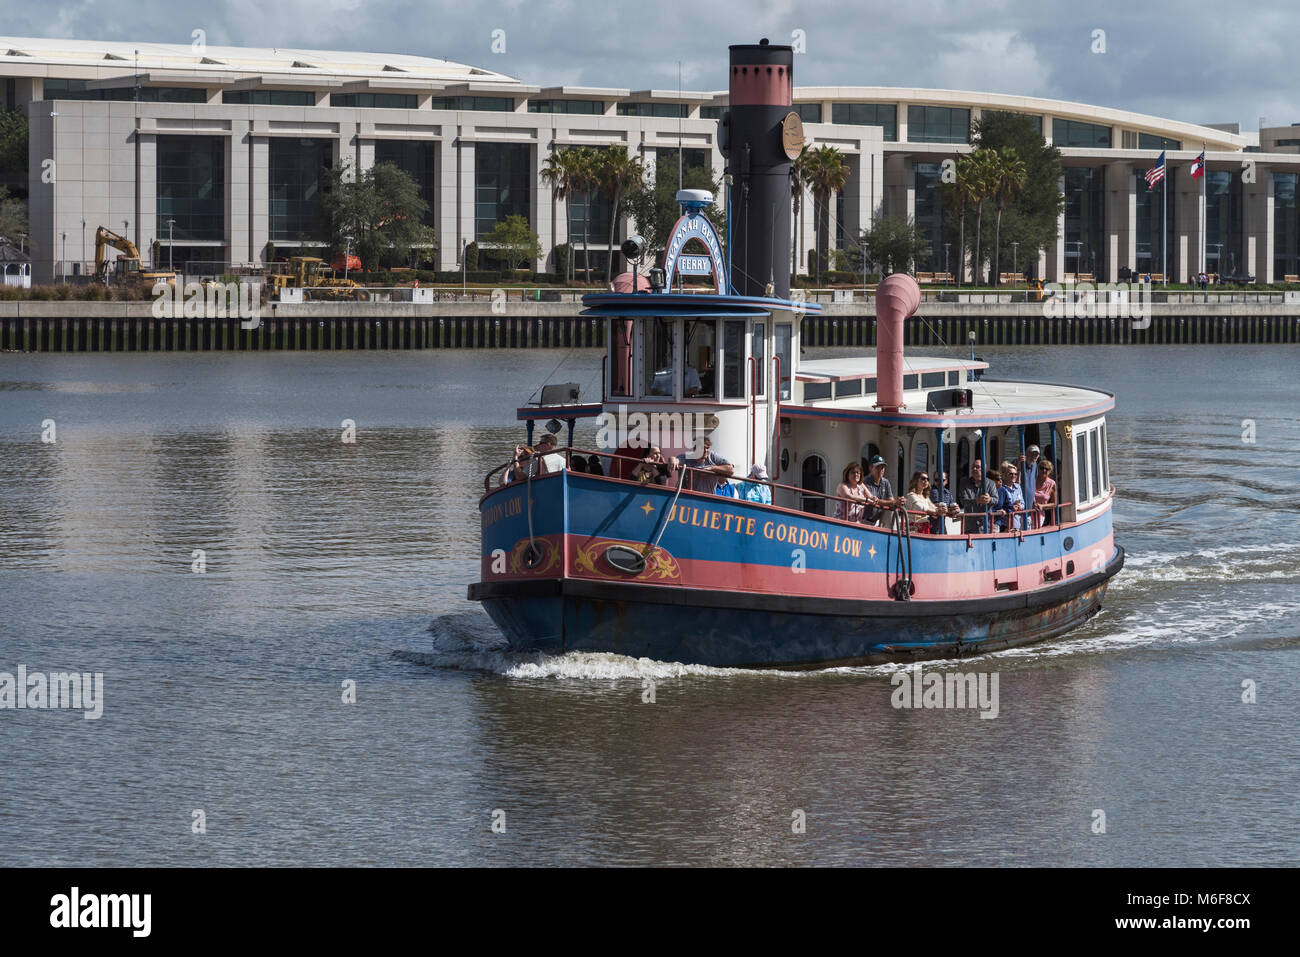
<point x="311" y="272"/>
<point x="126" y="267"/>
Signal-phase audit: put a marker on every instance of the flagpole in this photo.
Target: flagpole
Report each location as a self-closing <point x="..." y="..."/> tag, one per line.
<point x="1164" y="223"/>
<point x="1205" y="216"/>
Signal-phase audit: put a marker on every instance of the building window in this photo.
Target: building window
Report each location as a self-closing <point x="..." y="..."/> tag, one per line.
<point x="375" y="101"/>
<point x="415" y="158"/>
<point x="1150" y="202"/>
<point x="1034" y="118"/>
<point x="483" y="104"/>
<point x="884" y="115"/>
<point x="711" y="112"/>
<point x="1085" y="197"/>
<point x="809" y="112"/>
<point x="931" y="214"/>
<point x="502" y="182"/>
<point x="1286" y="226"/>
<point x="295" y="181"/>
<point x="1224" y="251"/>
<point x="593" y="107"/>
<point x="269" y="97"/>
<point x="1149" y="141"/>
<point x="191" y="183"/>
<point x="662" y="110"/>
<point x="1287" y="143"/>
<point x="57" y="89"/>
<point x="1082" y="135"/>
<point x="938" y="124"/>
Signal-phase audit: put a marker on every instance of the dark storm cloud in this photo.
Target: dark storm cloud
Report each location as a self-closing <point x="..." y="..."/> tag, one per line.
<point x="1231" y="65"/>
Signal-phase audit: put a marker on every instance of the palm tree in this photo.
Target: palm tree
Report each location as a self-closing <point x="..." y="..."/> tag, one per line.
<point x="586" y="161"/>
<point x="616" y="171"/>
<point x="957" y="195"/>
<point x="827" y="174"/>
<point x="1009" y="179"/>
<point x="557" y="174"/>
<point x="798" y="186"/>
<point x="980" y="181"/>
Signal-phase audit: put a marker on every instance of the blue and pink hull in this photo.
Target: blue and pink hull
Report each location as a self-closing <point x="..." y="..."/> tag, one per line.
<point x="734" y="583"/>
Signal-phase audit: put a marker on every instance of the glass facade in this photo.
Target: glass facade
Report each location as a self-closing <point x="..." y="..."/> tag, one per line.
<point x="591" y="107"/>
<point x="884" y="115"/>
<point x="1150" y="202"/>
<point x="416" y="158"/>
<point x="1224" y="249"/>
<point x="1286" y="226"/>
<point x="483" y="104"/>
<point x="376" y="101"/>
<point x="1149" y="141"/>
<point x="502" y="184"/>
<point x="664" y="110"/>
<point x="57" y="89"/>
<point x="938" y="124"/>
<point x="294" y="185"/>
<point x="930" y="214"/>
<point x="1078" y="134"/>
<point x="1085" y="228"/>
<point x="711" y="112"/>
<point x="809" y="112"/>
<point x="270" y="97"/>
<point x="191" y="182"/>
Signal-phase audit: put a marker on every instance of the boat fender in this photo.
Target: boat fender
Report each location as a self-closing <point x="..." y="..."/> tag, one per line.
<point x="904" y="589"/>
<point x="625" y="559"/>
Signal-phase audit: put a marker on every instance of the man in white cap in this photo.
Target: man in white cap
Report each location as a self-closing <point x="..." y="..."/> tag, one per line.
<point x="752" y="491"/>
<point x="1029" y="472"/>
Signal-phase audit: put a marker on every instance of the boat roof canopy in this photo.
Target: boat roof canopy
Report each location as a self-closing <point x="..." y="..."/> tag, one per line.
<point x="864" y="367"/>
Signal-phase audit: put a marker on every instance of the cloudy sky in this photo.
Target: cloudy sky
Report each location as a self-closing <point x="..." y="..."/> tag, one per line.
<point x="1227" y="64"/>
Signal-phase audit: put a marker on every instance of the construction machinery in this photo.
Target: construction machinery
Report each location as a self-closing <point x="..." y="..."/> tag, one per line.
<point x="126" y="267"/>
<point x="311" y="272"/>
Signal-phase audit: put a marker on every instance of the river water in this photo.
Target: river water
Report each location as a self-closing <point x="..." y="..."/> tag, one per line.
<point x="328" y="563"/>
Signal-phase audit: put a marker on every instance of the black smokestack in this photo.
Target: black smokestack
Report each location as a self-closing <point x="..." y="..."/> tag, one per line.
<point x="761" y="95"/>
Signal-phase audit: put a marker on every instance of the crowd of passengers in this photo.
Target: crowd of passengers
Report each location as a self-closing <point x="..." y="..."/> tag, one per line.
<point x="1018" y="495"/>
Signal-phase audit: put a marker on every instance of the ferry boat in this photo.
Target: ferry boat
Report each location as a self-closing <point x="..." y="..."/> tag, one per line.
<point x="575" y="561"/>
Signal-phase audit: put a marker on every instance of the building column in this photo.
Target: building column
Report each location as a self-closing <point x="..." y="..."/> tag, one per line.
<point x="1121" y="209"/>
<point x="1257" y="225"/>
<point x="1055" y="264"/>
<point x="146" y="227"/>
<point x="238" y="234"/>
<point x="1189" y="209"/>
<point x="542" y="211"/>
<point x="445" y="167"/>
<point x="259" y="196"/>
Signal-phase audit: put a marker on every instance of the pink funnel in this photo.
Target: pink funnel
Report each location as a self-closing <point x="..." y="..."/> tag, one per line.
<point x="897" y="298"/>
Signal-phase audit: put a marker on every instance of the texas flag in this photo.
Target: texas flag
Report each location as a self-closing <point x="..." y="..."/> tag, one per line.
<point x="1198" y="167"/>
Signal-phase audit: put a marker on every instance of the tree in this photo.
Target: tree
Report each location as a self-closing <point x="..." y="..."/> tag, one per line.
<point x="515" y="242"/>
<point x="558" y="174"/>
<point x="380" y="208"/>
<point x="894" y="243"/>
<point x="798" y="186"/>
<point x="827" y="173"/>
<point x="981" y="171"/>
<point x="1031" y="218"/>
<point x="583" y="162"/>
<point x="13" y="152"/>
<point x="13" y="217"/>
<point x="616" y="172"/>
<point x="653" y="204"/>
<point x="1008" y="179"/>
<point x="958" y="195"/>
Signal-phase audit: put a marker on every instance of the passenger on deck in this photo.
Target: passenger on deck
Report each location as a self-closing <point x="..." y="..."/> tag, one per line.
<point x="941" y="495"/>
<point x="707" y="469"/>
<point x="552" y="461"/>
<point x="752" y="491"/>
<point x="918" y="500"/>
<point x="1028" y="464"/>
<point x="851" y="487"/>
<point x="880" y="494"/>
<point x="578" y="464"/>
<point x="1045" y="496"/>
<point x="977" y="493"/>
<point x="1009" y="500"/>
<point x="523" y="466"/>
<point x="654" y="468"/>
<point x="593" y="465"/>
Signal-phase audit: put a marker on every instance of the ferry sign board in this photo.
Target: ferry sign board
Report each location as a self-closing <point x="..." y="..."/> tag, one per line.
<point x="694" y="225"/>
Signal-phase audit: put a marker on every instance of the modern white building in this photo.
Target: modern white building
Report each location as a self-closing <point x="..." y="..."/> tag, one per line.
<point x="215" y="155"/>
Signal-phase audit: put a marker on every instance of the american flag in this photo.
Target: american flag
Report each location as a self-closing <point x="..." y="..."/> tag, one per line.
<point x="1156" y="173"/>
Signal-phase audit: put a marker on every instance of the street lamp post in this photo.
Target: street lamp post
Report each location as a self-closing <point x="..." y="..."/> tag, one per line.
<point x="863" y="248"/>
<point x="347" y="255"/>
<point x="462" y="266"/>
<point x="1015" y="271"/>
<point x="171" y="234"/>
<point x="946" y="270"/>
<point x="82" y="267"/>
<point x="63" y="262"/>
<point x="1078" y="258"/>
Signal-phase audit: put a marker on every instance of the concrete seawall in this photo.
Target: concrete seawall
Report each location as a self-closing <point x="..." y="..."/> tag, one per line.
<point x="75" y="326"/>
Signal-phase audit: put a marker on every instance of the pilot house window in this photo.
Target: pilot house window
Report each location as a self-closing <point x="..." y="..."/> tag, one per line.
<point x="659" y="357"/>
<point x="733" y="359"/>
<point x="698" y="373"/>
